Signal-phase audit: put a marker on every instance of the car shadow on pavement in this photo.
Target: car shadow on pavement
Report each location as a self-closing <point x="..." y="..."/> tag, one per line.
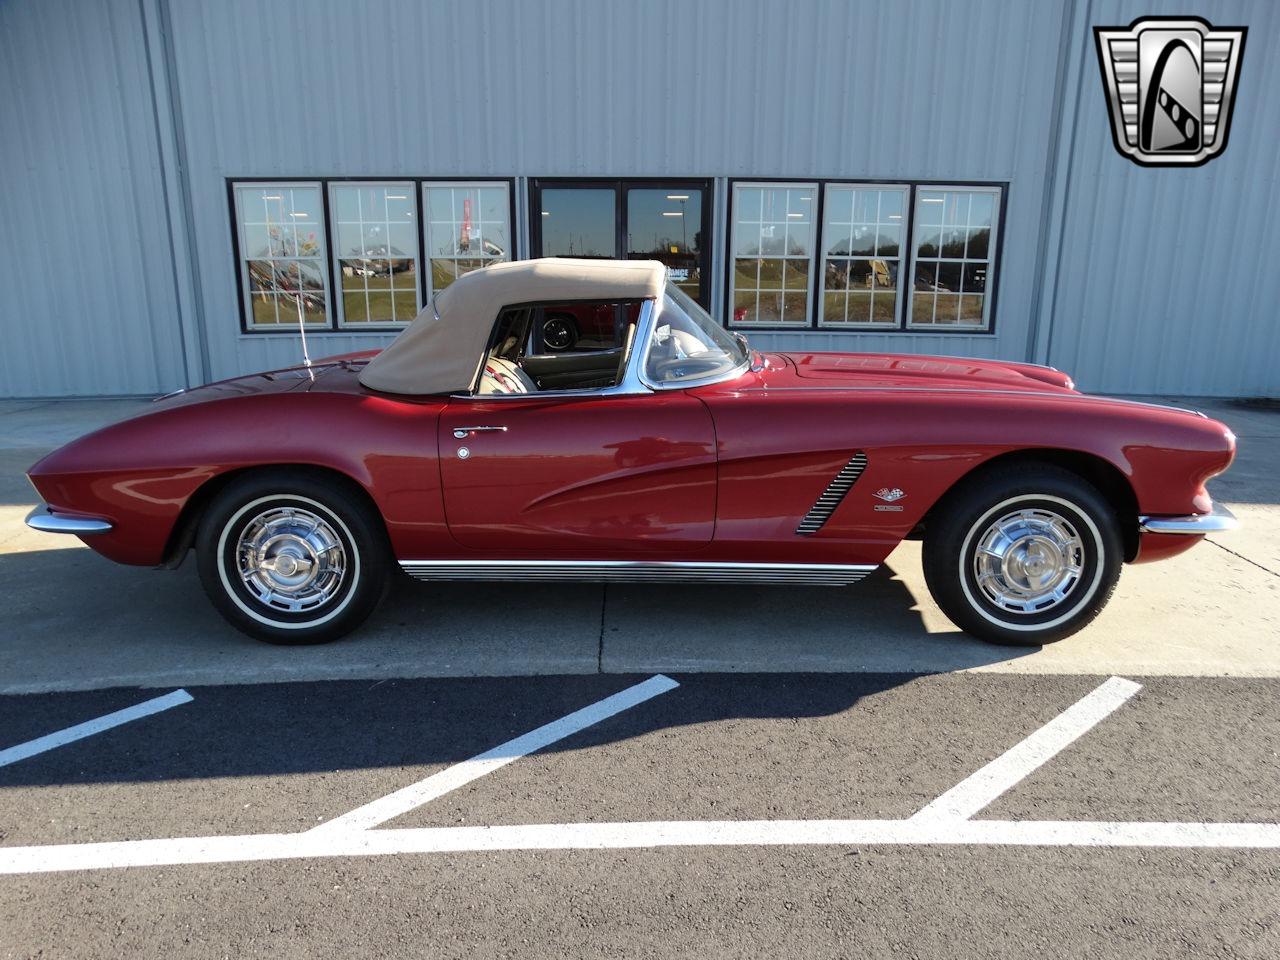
<point x="328" y="727"/>
<point x="79" y="621"/>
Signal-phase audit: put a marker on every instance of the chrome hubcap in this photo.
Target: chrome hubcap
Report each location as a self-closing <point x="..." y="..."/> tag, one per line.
<point x="1029" y="561"/>
<point x="291" y="559"/>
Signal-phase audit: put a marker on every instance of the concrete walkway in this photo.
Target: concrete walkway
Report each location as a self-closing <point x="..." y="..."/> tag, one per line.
<point x="75" y="621"/>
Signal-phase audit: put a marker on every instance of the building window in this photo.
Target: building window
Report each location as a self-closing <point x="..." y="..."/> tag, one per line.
<point x="772" y="244"/>
<point x="862" y="235"/>
<point x="375" y="249"/>
<point x="282" y="254"/>
<point x="468" y="227"/>
<point x="953" y="232"/>
<point x="880" y="241"/>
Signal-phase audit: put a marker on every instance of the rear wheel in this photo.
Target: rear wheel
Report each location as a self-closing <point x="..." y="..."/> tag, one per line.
<point x="291" y="559"/>
<point x="1023" y="555"/>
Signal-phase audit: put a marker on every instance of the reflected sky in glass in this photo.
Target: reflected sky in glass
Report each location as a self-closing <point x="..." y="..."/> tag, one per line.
<point x="659" y="219"/>
<point x="579" y="223"/>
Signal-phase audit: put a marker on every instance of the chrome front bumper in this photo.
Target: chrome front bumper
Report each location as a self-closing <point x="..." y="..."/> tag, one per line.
<point x="46" y="521"/>
<point x="1194" y="525"/>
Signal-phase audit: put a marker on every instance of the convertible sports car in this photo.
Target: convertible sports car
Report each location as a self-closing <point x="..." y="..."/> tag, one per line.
<point x="674" y="454"/>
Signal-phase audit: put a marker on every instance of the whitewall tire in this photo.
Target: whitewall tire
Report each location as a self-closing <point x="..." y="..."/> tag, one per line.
<point x="289" y="558"/>
<point x="1023" y="554"/>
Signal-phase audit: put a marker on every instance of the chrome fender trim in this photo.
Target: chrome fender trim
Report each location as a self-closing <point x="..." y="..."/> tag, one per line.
<point x="46" y="521"/>
<point x="639" y="571"/>
<point x="1193" y="525"/>
<point x="833" y="495"/>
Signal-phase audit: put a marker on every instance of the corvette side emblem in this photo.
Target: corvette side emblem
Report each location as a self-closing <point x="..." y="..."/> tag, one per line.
<point x="1170" y="85"/>
<point x="889" y="494"/>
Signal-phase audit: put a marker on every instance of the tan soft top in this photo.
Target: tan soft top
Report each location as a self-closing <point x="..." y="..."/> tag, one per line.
<point x="444" y="355"/>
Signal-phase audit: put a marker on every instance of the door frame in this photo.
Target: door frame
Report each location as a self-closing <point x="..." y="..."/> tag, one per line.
<point x="620" y="186"/>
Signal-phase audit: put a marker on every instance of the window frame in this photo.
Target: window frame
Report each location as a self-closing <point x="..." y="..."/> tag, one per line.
<point x="458" y="184"/>
<point x="341" y="322"/>
<point x="241" y="262"/>
<point x="820" y="300"/>
<point x="993" y="251"/>
<point x="907" y="262"/>
<point x="731" y="257"/>
<point x="332" y="326"/>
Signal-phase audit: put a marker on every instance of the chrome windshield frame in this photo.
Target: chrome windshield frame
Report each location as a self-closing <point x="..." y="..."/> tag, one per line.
<point x="641" y="358"/>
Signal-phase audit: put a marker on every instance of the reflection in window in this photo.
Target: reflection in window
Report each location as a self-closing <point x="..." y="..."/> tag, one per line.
<point x="665" y="224"/>
<point x="579" y="222"/>
<point x="862" y="231"/>
<point x="282" y="259"/>
<point x="468" y="227"/>
<point x="375" y="241"/>
<point x="772" y="246"/>
<point x="953" y="247"/>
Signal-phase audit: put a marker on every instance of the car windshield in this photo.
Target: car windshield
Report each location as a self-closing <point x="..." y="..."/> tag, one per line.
<point x="686" y="344"/>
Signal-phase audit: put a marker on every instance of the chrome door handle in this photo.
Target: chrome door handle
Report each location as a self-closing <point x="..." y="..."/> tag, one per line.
<point x="461" y="433"/>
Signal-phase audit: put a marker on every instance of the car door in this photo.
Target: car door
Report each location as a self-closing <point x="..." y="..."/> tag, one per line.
<point x="597" y="475"/>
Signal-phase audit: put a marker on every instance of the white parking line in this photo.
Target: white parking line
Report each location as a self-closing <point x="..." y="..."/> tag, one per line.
<point x="616" y="836"/>
<point x="978" y="790"/>
<point x="87" y="729"/>
<point x="942" y="822"/>
<point x="438" y="784"/>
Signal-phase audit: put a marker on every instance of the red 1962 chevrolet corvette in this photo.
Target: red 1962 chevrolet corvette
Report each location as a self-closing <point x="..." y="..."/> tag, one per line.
<point x="465" y="451"/>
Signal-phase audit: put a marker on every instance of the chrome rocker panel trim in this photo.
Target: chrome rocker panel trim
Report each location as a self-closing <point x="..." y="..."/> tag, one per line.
<point x="1194" y="525"/>
<point x="639" y="571"/>
<point x="46" y="521"/>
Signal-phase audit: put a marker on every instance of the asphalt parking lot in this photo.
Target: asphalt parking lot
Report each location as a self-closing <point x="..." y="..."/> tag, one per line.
<point x="573" y="771"/>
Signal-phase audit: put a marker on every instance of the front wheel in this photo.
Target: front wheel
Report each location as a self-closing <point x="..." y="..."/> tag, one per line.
<point x="291" y="559"/>
<point x="1023" y="555"/>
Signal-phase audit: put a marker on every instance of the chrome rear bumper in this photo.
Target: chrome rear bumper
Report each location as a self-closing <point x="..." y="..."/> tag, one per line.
<point x="1194" y="525"/>
<point x="46" y="521"/>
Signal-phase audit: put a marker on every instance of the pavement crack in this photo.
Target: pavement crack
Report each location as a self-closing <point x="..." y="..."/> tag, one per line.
<point x="1264" y="569"/>
<point x="604" y="599"/>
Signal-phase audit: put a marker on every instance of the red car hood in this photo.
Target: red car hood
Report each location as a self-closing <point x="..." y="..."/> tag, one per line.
<point x="910" y="370"/>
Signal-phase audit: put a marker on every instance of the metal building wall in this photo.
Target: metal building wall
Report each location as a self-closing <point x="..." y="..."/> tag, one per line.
<point x="1167" y="280"/>
<point x="720" y="88"/>
<point x="85" y="259"/>
<point x="123" y="119"/>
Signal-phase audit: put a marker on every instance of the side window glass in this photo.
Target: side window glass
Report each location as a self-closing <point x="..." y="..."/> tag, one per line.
<point x="559" y="347"/>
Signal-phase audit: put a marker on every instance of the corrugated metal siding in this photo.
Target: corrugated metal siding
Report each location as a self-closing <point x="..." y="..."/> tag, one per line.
<point x="88" y="305"/>
<point x="926" y="89"/>
<point x="923" y="89"/>
<point x="1169" y="280"/>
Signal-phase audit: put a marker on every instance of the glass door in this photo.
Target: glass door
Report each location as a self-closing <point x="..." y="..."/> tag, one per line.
<point x="577" y="222"/>
<point x="665" y="220"/>
<point x="665" y="223"/>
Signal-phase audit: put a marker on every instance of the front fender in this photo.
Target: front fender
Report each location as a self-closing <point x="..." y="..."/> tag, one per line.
<point x="141" y="474"/>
